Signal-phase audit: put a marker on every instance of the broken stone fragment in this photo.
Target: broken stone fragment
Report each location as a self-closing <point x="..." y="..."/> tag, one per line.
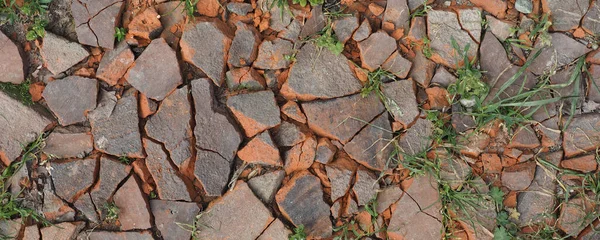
<point x="260" y="150"/>
<point x="397" y="65"/>
<point x="344" y="27"/>
<point x="21" y="126"/>
<point x="443" y="78"/>
<point x="244" y="47"/>
<point x="495" y="7"/>
<point x="103" y="235"/>
<point x="11" y="64"/>
<point x="60" y="54"/>
<point x="209" y="8"/>
<point x="340" y="179"/>
<point x="212" y="170"/>
<point x="292" y="110"/>
<point x="409" y="222"/>
<point x="365" y="187"/>
<point x="470" y="20"/>
<point x="54" y="208"/>
<point x="376" y="49"/>
<point x="562" y="51"/>
<point x="280" y="18"/>
<point x="31" y="232"/>
<point x="301" y="156"/>
<point x="342" y="118"/>
<point x="73" y="177"/>
<point x="214" y="131"/>
<point x="422" y="69"/>
<point x="85" y="205"/>
<point x="401" y="101"/>
<point x="424" y="191"/>
<point x="244" y="78"/>
<point x="568" y="15"/>
<point x="256" y="111"/>
<point x="442" y="27"/>
<point x="319" y="75"/>
<point x="325" y="151"/>
<point x="272" y="54"/>
<point x="500" y="28"/>
<point x="288" y="134"/>
<point x="115" y="125"/>
<point x="275" y="231"/>
<point x="590" y="21"/>
<point x="518" y="177"/>
<point x="95" y="21"/>
<point x="219" y="214"/>
<point x="156" y="71"/>
<point x="301" y="202"/>
<point x="315" y="23"/>
<point x="145" y="25"/>
<point x="110" y="175"/>
<point x="133" y="206"/>
<point x="239" y="8"/>
<point x="169" y="184"/>
<point x="397" y="12"/>
<point x="417" y="138"/>
<point x="363" y="31"/>
<point x="265" y="186"/>
<point x="168" y="215"/>
<point x="62" y="231"/>
<point x="172" y="19"/>
<point x="372" y="146"/>
<point x="71" y="98"/>
<point x="115" y="63"/>
<point x="205" y="45"/>
<point x="171" y="126"/>
<point x="572" y="218"/>
<point x="388" y="196"/>
<point x="583" y="164"/>
<point x="69" y="145"/>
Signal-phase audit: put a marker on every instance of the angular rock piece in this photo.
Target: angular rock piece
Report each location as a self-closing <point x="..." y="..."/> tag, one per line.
<point x="301" y="202"/>
<point x="167" y="215"/>
<point x="470" y="20"/>
<point x="145" y="25"/>
<point x="301" y="156"/>
<point x="291" y="32"/>
<point x="11" y="64"/>
<point x="363" y="31"/>
<point x="408" y="222"/>
<point x="31" y="233"/>
<point x="325" y="151"/>
<point x="590" y="21"/>
<point x="499" y="28"/>
<point x="72" y="177"/>
<point x="111" y="174"/>
<point x="422" y="69"/>
<point x="271" y="54"/>
<point x="397" y="12"/>
<point x="371" y="147"/>
<point x="85" y="205"/>
<point x="59" y="54"/>
<point x="168" y="184"/>
<point x="342" y="118"/>
<point x="344" y="27"/>
<point x="572" y="218"/>
<point x="315" y="23"/>
<point x="255" y="111"/>
<point x="376" y="49"/>
<point x="583" y="164"/>
<point x="115" y="63"/>
<point x="260" y="150"/>
<point x="397" y="65"/>
<point x="265" y="186"/>
<point x="402" y="101"/>
<point x="319" y="75"/>
<point x="524" y="138"/>
<point x="115" y="125"/>
<point x="133" y="206"/>
<point x="10" y="228"/>
<point x="244" y="47"/>
<point x="244" y="78"/>
<point x="534" y="203"/>
<point x="562" y="51"/>
<point x="442" y="27"/>
<point x="239" y="8"/>
<point x="253" y="214"/>
<point x="214" y="131"/>
<point x="582" y="135"/>
<point x="280" y="18"/>
<point x="365" y="187"/>
<point x="292" y="110"/>
<point x="518" y="177"/>
<point x="156" y="71"/>
<point x="71" y="98"/>
<point x="495" y="7"/>
<point x="288" y="134"/>
<point x="19" y="125"/>
<point x="340" y="181"/>
<point x="443" y="78"/>
<point x="62" y="231"/>
<point x="100" y="235"/>
<point x="69" y="145"/>
<point x="424" y="191"/>
<point x="54" y="208"/>
<point x="205" y="45"/>
<point x="567" y="15"/>
<point x="212" y="170"/>
<point x="95" y="21"/>
<point x="171" y="125"/>
<point x="388" y="196"/>
<point x="275" y="231"/>
<point x="417" y="138"/>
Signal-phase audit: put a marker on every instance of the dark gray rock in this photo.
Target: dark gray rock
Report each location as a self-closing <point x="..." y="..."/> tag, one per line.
<point x="110" y="175"/>
<point x="71" y="98"/>
<point x="255" y="111"/>
<point x="401" y="101"/>
<point x="168" y="182"/>
<point x="244" y="47"/>
<point x="71" y="177"/>
<point x="60" y="54"/>
<point x="344" y="27"/>
<point x="169" y="214"/>
<point x="566" y="15"/>
<point x="365" y="187"/>
<point x="288" y="134"/>
<point x="562" y="51"/>
<point x="11" y="64"/>
<point x="95" y="21"/>
<point x="265" y="186"/>
<point x="442" y="27"/>
<point x="271" y="54"/>
<point x="371" y="147"/>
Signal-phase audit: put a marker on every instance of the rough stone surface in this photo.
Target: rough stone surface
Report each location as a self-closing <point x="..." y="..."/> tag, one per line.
<point x="280" y="18"/>
<point x="171" y="125"/>
<point x="115" y="125"/>
<point x="562" y="51"/>
<point x="582" y="135"/>
<point x="376" y="49"/>
<point x="571" y="215"/>
<point x="371" y="147"/>
<point x="20" y="125"/>
<point x="397" y="12"/>
<point x="54" y="208"/>
<point x="524" y="138"/>
<point x="101" y="235"/>
<point x="244" y="78"/>
<point x="301" y="201"/>
<point x="443" y="78"/>
<point x="518" y="177"/>
<point x="255" y="111"/>
<point x="470" y="20"/>
<point x="319" y="75"/>
<point x="363" y="31"/>
<point x="408" y="222"/>
<point x="219" y="214"/>
<point x="325" y="151"/>
<point x="340" y="179"/>
<point x="11" y="64"/>
<point x="265" y="186"/>
<point x="71" y="98"/>
<point x="583" y="164"/>
<point x="402" y="101"/>
<point x="397" y="65"/>
<point x="59" y="54"/>
<point x="156" y="71"/>
<point x="244" y="47"/>
<point x="214" y="131"/>
<point x="590" y="21"/>
<point x="110" y="175"/>
<point x="342" y="118"/>
<point x="145" y="25"/>
<point x="292" y="31"/>
<point x="344" y="27"/>
<point x="212" y="170"/>
<point x="424" y="192"/>
<point x="115" y="63"/>
<point x="417" y="138"/>
<point x="315" y="23"/>
<point x="288" y="134"/>
<point x="275" y="231"/>
<point x="10" y="228"/>
<point x="168" y="184"/>
<point x="365" y="187"/>
<point x="271" y="54"/>
<point x="292" y="110"/>
<point x="95" y="21"/>
<point x="499" y="28"/>
<point x="167" y="215"/>
<point x="239" y="8"/>
<point x="133" y="206"/>
<point x="31" y="233"/>
<point x="422" y="69"/>
<point x="64" y="173"/>
<point x="205" y="45"/>
<point x="442" y="26"/>
<point x="85" y="205"/>
<point x="567" y="15"/>
<point x="388" y="196"/>
<point x="301" y="156"/>
<point x="533" y="203"/>
<point x="260" y="150"/>
<point x="62" y="231"/>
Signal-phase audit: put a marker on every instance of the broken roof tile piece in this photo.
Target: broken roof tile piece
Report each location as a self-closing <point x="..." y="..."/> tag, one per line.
<point x="133" y="206"/>
<point x="115" y="63"/>
<point x="11" y="64"/>
<point x="60" y="54"/>
<point x="256" y="111"/>
<point x="397" y="12"/>
<point x="169" y="184"/>
<point x="168" y="215"/>
<point x="73" y="177"/>
<point x="71" y="98"/>
<point x="265" y="186"/>
<point x="244" y="47"/>
<point x="376" y="49"/>
<point x="95" y="21"/>
<point x="272" y="54"/>
<point x="260" y="150"/>
<point x="371" y="147"/>
<point x="442" y="27"/>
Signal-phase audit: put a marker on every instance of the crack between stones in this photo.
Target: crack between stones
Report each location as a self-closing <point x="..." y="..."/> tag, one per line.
<point x="421" y="209"/>
<point x="92" y="17"/>
<point x="265" y="229"/>
<point x="366" y="125"/>
<point x="465" y="30"/>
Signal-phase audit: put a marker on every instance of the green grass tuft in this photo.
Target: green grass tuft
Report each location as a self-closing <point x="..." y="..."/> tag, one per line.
<point x="18" y="91"/>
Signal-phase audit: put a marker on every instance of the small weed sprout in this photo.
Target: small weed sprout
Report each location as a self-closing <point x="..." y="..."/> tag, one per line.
<point x="120" y="33"/>
<point x="422" y="11"/>
<point x="312" y="2"/>
<point x="469" y="85"/>
<point x="189" y="7"/>
<point x="298" y="233"/>
<point x="125" y="160"/>
<point x="427" y="52"/>
<point x="112" y="212"/>
<point x="349" y="229"/>
<point x="195" y="227"/>
<point x="540" y="31"/>
<point x="18" y="91"/>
